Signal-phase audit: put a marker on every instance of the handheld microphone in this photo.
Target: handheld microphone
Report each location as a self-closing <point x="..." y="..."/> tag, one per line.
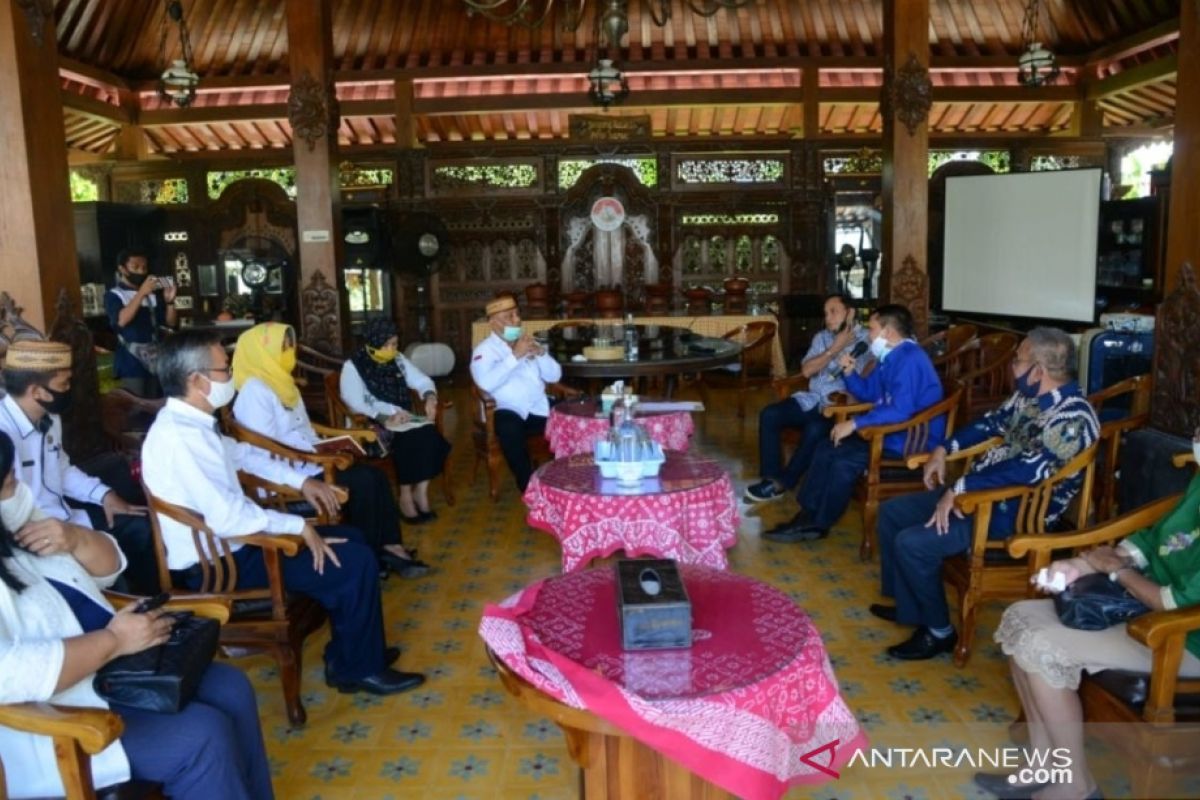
<point x="858" y="350"/>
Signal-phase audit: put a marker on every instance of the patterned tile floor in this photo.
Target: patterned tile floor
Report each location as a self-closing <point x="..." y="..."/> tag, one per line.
<point x="462" y="736"/>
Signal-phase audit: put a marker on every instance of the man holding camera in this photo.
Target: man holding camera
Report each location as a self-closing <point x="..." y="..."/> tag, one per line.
<point x="136" y="312"/>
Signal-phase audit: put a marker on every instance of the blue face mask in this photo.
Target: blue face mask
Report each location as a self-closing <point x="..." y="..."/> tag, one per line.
<point x="511" y="333"/>
<point x="1023" y="385"/>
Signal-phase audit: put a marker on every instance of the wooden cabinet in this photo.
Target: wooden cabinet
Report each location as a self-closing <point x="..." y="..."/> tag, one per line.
<point x="1129" y="255"/>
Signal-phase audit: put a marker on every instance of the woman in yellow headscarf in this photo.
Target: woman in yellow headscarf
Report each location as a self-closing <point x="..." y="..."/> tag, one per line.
<point x="269" y="402"/>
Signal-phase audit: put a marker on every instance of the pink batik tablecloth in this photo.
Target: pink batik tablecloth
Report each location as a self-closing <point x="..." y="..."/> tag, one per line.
<point x="574" y="428"/>
<point x="689" y="513"/>
<point x="752" y="705"/>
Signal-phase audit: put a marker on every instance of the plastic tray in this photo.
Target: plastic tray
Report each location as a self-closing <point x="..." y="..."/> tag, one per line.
<point x="608" y="467"/>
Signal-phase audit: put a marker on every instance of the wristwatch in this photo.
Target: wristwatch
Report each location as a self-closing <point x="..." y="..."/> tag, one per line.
<point x="1115" y="575"/>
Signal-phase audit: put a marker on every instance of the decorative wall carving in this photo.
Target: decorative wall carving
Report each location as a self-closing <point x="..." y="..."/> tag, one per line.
<point x="319" y="312"/>
<point x="1177" y="358"/>
<point x="312" y="109"/>
<point x="908" y="93"/>
<point x="910" y="288"/>
<point x="36" y="13"/>
<point x="13" y="327"/>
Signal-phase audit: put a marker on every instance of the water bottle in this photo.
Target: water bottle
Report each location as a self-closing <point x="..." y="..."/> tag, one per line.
<point x="631" y="339"/>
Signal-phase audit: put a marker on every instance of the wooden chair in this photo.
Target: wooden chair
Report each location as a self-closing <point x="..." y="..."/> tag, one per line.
<point x="986" y="572"/>
<point x="329" y="462"/>
<point x="1135" y="392"/>
<point x="576" y="304"/>
<point x="537" y="301"/>
<point x="735" y="295"/>
<point x="262" y="620"/>
<point x="658" y="298"/>
<point x="988" y="381"/>
<point x="343" y="418"/>
<point x="890" y="477"/>
<point x="487" y="446"/>
<point x="945" y="347"/>
<point x="125" y="418"/>
<point x="80" y="732"/>
<point x="1148" y="706"/>
<point x="753" y="368"/>
<point x="311" y="368"/>
<point x="609" y="303"/>
<point x="698" y="301"/>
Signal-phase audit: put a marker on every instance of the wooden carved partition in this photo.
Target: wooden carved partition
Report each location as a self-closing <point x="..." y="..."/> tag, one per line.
<point x="608" y="180"/>
<point x="1175" y="405"/>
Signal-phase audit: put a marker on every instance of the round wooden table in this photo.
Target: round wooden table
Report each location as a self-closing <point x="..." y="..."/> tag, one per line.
<point x="662" y="350"/>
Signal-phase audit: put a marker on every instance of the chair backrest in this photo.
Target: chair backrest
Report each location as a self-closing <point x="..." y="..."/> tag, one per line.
<point x="658" y="297"/>
<point x="609" y="302"/>
<point x="755" y="339"/>
<point x="1135" y="390"/>
<point x="916" y="434"/>
<point x="1031" y="514"/>
<point x="340" y="415"/>
<point x="217" y="567"/>
<point x="990" y="379"/>
<point x="124" y="415"/>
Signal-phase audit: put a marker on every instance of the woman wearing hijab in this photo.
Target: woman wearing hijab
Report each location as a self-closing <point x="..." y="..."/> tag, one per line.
<point x="57" y="629"/>
<point x="269" y="402"/>
<point x="376" y="383"/>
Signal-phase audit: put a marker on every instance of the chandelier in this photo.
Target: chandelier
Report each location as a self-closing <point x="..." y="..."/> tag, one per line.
<point x="1037" y="66"/>
<point x="607" y="84"/>
<point x="613" y="19"/>
<point x="177" y="84"/>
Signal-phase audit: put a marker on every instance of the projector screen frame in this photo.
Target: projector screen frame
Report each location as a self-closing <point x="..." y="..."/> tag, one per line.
<point x="963" y="313"/>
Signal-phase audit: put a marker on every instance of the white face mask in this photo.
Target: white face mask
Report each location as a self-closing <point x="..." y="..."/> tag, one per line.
<point x="1196" y="450"/>
<point x="880" y="348"/>
<point x="219" y="394"/>
<point x="16" y="510"/>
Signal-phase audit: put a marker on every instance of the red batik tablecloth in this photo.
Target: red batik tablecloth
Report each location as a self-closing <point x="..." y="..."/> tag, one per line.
<point x="688" y="513"/>
<point x="752" y="706"/>
<point x="574" y="428"/>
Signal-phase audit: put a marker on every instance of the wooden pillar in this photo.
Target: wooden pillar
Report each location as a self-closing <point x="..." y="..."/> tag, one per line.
<point x="905" y="102"/>
<point x="406" y="122"/>
<point x="313" y="114"/>
<point x="37" y="251"/>
<point x="1183" y="232"/>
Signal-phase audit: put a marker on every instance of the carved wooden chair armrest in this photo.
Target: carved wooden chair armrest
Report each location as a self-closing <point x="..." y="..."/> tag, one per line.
<point x="1138" y="386"/>
<point x="202" y="605"/>
<point x="967" y="453"/>
<point x="1183" y="459"/>
<point x="788" y="386"/>
<point x="78" y="733"/>
<point x="327" y="461"/>
<point x="1165" y="632"/>
<point x="362" y="435"/>
<point x="841" y="407"/>
<point x="1041" y="546"/>
<point x="278" y="495"/>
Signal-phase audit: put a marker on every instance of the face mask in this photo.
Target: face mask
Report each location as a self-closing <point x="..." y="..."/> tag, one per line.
<point x="512" y="333"/>
<point x="16" y="510"/>
<point x="1026" y="388"/>
<point x="219" y="394"/>
<point x="135" y="278"/>
<point x="58" y="402"/>
<point x="880" y="348"/>
<point x="1196" y="451"/>
<point x="382" y="355"/>
<point x="287" y="360"/>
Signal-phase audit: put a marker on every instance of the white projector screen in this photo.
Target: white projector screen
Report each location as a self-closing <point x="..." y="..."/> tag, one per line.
<point x="1022" y="245"/>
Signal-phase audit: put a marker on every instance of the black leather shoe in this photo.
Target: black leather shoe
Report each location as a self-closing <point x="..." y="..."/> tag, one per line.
<point x="426" y="516"/>
<point x="796" y="533"/>
<point x="390" y="656"/>
<point x="801" y="517"/>
<point x="883" y="612"/>
<point x="998" y="784"/>
<point x="922" y="645"/>
<point x="404" y="567"/>
<point x="389" y="681"/>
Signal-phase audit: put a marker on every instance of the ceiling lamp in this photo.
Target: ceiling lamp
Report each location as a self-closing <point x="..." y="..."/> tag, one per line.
<point x="607" y="84"/>
<point x="614" y="19"/>
<point x="1037" y="66"/>
<point x="177" y="84"/>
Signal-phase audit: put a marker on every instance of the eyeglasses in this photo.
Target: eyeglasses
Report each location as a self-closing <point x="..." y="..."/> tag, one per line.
<point x="225" y="370"/>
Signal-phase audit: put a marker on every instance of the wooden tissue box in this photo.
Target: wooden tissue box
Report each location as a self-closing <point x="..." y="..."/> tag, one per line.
<point x="653" y="605"/>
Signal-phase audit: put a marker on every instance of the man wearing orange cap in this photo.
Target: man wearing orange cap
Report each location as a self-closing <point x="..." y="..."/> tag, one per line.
<point x="514" y="369"/>
<point x="37" y="377"/>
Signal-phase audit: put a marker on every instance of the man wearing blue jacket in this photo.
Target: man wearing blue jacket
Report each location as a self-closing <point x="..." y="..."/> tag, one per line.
<point x="1045" y="424"/>
<point x="903" y="384"/>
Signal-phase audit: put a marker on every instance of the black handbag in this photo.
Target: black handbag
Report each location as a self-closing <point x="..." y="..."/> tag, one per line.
<point x="162" y="678"/>
<point x="1093" y="603"/>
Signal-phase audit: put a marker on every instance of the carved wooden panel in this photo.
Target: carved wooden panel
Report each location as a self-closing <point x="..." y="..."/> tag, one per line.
<point x="319" y="304"/>
<point x="910" y="288"/>
<point x="81" y="435"/>
<point x="1173" y="407"/>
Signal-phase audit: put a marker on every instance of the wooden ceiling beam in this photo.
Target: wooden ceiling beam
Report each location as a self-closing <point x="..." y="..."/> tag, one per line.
<point x="95" y="109"/>
<point x="257" y="112"/>
<point x="96" y="76"/>
<point x="1132" y="78"/>
<point x="1160" y="34"/>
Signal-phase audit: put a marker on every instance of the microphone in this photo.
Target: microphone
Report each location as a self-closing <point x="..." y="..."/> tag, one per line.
<point x="858" y="350"/>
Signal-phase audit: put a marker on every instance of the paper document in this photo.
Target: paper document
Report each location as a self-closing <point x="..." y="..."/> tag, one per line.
<point x="413" y="422"/>
<point x="662" y="406"/>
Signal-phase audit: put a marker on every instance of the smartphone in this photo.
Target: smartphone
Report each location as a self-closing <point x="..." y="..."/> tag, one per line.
<point x="151" y="603"/>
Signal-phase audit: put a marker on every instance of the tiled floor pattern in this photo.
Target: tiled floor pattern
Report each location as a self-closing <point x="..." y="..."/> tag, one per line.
<point x="462" y="736"/>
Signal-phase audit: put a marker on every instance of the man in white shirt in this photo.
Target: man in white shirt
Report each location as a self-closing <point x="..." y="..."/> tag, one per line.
<point x="514" y="369"/>
<point x="37" y="376"/>
<point x="186" y="461"/>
